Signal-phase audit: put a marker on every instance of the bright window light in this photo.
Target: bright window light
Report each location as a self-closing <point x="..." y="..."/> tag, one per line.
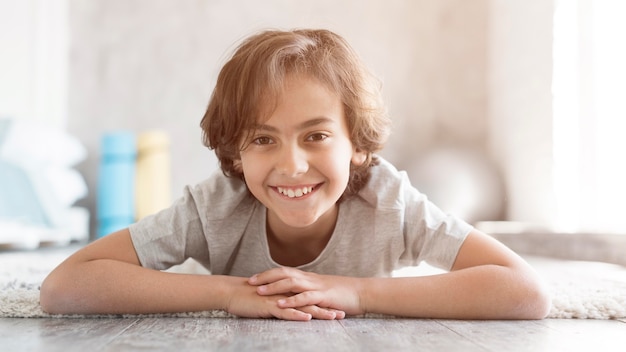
<point x="566" y="128"/>
<point x="589" y="88"/>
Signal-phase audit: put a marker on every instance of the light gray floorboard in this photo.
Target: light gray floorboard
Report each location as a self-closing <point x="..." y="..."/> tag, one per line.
<point x="189" y="334"/>
<point x="405" y="335"/>
<point x="225" y="334"/>
<point x="589" y="335"/>
<point x="60" y="334"/>
<point x="544" y="335"/>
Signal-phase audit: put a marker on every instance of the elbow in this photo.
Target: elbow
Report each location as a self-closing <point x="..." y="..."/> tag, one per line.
<point x="48" y="296"/>
<point x="53" y="298"/>
<point x="535" y="303"/>
<point x="542" y="303"/>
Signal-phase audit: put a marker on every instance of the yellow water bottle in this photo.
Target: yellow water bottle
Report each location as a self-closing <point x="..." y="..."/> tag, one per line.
<point x="153" y="180"/>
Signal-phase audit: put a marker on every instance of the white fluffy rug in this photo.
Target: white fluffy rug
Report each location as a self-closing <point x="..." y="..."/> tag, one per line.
<point x="583" y="290"/>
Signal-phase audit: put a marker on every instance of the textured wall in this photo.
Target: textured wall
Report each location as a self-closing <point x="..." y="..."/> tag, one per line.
<point x="520" y="105"/>
<point x="143" y="64"/>
<point x="33" y="61"/>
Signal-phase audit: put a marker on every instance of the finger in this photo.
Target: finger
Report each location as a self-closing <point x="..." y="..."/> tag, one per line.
<point x="340" y="314"/>
<point x="293" y="314"/>
<point x="309" y="299"/>
<point x="303" y="299"/>
<point x="286" y="286"/>
<point x="272" y="275"/>
<point x="323" y="313"/>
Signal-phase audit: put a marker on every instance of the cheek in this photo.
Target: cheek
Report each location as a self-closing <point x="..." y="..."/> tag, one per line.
<point x="339" y="167"/>
<point x="254" y="168"/>
<point x="247" y="166"/>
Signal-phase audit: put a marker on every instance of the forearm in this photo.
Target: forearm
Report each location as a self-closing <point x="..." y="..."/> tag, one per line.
<point x="108" y="287"/>
<point x="481" y="292"/>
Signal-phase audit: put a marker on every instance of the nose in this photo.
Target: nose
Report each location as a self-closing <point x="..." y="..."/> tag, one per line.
<point x="292" y="161"/>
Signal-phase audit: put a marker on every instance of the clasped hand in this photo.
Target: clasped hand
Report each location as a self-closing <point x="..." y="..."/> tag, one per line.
<point x="292" y="294"/>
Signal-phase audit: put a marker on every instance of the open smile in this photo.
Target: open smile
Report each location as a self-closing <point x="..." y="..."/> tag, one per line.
<point x="296" y="192"/>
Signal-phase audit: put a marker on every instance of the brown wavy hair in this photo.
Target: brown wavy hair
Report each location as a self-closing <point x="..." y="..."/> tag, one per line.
<point x="250" y="83"/>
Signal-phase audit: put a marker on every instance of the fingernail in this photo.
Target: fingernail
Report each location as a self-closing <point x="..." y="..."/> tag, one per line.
<point x="253" y="279"/>
<point x="281" y="302"/>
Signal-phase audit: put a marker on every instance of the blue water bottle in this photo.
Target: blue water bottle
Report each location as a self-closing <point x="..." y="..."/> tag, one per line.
<point x="116" y="182"/>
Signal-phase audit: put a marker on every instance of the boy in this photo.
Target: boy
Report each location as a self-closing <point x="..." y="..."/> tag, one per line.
<point x="305" y="221"/>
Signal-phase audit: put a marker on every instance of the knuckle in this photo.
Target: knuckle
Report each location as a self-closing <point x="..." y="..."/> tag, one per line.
<point x="283" y="270"/>
<point x="308" y="295"/>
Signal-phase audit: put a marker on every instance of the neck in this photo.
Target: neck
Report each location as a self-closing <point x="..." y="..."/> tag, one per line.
<point x="292" y="246"/>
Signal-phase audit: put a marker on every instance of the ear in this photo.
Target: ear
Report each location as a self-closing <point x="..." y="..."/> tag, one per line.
<point x="358" y="157"/>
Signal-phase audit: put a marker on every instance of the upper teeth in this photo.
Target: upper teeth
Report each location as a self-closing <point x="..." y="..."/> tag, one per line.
<point x="295" y="192"/>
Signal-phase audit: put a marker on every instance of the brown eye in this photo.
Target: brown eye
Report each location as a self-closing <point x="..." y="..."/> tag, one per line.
<point x="262" y="140"/>
<point x="316" y="137"/>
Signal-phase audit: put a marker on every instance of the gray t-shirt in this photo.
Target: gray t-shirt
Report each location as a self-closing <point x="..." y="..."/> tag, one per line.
<point x="386" y="226"/>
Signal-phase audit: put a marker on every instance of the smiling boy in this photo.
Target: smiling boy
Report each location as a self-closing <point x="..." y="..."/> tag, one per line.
<point x="297" y="163"/>
<point x="305" y="221"/>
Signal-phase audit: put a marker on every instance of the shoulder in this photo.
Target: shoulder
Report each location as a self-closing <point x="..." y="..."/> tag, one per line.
<point x="218" y="196"/>
<point x="388" y="187"/>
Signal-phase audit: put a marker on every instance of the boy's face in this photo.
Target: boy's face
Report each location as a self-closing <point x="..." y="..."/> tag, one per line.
<point x="297" y="163"/>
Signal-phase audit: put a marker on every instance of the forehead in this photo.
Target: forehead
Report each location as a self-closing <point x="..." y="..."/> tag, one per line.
<point x="305" y="103"/>
<point x="300" y="95"/>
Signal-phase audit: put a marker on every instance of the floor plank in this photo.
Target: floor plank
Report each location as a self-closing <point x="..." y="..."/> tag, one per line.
<point x="60" y="334"/>
<point x="226" y="334"/>
<point x="543" y="335"/>
<point x="191" y="334"/>
<point x="590" y="335"/>
<point x="405" y="335"/>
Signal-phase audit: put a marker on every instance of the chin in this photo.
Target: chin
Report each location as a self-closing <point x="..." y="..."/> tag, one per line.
<point x="298" y="222"/>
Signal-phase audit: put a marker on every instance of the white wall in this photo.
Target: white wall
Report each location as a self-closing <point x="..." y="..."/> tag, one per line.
<point x="472" y="75"/>
<point x="520" y="105"/>
<point x="141" y="64"/>
<point x="34" y="60"/>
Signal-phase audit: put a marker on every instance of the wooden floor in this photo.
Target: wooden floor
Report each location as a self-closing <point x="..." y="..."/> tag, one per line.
<point x="355" y="334"/>
<point x="352" y="334"/>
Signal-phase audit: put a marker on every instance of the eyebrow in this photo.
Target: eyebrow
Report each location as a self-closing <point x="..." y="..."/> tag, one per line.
<point x="306" y="124"/>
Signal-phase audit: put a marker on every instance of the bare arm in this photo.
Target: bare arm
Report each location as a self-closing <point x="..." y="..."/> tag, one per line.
<point x="106" y="277"/>
<point x="487" y="281"/>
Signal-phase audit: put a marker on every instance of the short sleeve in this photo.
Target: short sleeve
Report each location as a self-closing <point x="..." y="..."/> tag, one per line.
<point x="428" y="234"/>
<point x="171" y="236"/>
<point x="431" y="235"/>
